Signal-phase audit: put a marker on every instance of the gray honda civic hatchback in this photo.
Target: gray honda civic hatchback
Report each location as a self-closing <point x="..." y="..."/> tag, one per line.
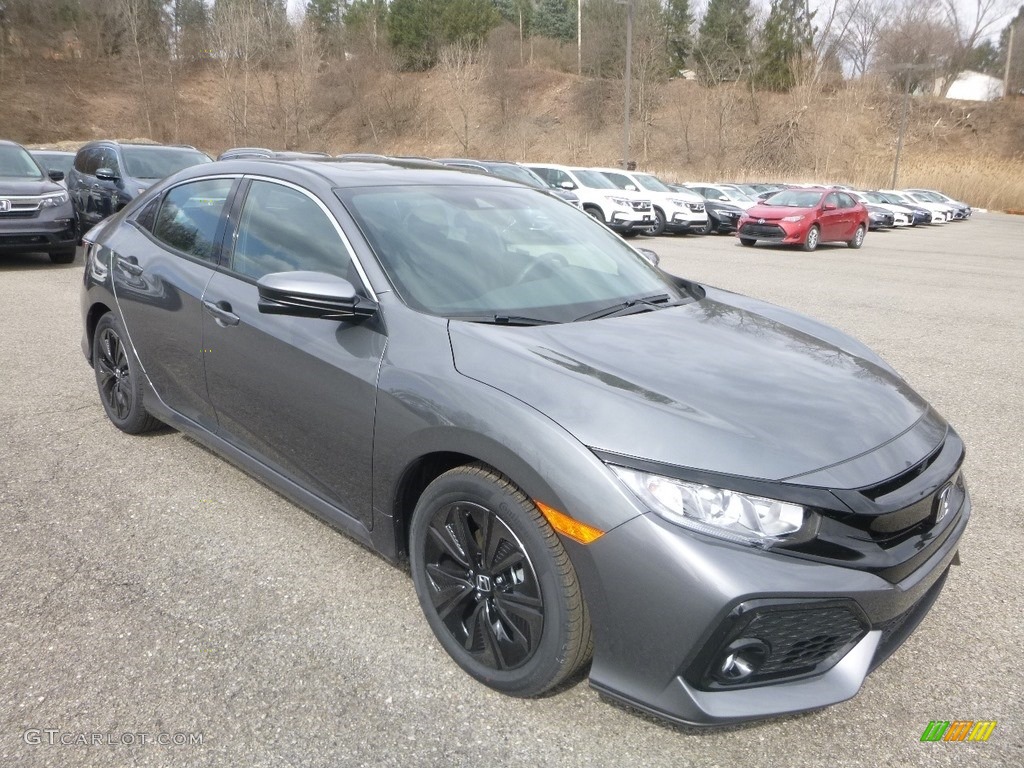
<point x="729" y="510"/>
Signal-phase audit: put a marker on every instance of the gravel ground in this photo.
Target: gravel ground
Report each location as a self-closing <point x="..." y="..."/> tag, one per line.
<point x="147" y="587"/>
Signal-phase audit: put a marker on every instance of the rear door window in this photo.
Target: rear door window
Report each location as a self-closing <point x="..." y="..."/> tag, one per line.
<point x="190" y="217"/>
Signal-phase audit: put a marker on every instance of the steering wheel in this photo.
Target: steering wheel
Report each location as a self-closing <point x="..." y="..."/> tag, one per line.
<point x="545" y="261"/>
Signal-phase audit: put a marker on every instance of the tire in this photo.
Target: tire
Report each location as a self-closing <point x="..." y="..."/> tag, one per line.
<point x="747" y="241"/>
<point x="63" y="257"/>
<point x="858" y="238"/>
<point x="813" y="236"/>
<point x="594" y="212"/>
<point x="631" y="233"/>
<point x="118" y="379"/>
<point x="707" y="228"/>
<point x="659" y="223"/>
<point x="521" y="630"/>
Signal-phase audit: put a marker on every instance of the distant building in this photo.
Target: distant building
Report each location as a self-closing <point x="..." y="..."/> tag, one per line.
<point x="973" y="86"/>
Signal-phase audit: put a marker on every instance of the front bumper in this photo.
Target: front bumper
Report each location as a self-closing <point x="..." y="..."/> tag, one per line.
<point x="657" y="622"/>
<point x="48" y="231"/>
<point x="780" y="232"/>
<point x="630" y="221"/>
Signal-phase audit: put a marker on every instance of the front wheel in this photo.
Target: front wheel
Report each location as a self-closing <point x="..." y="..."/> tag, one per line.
<point x="496" y="586"/>
<point x="118" y="379"/>
<point x="706" y="228"/>
<point x="659" y="223"/>
<point x="747" y="241"/>
<point x="858" y="238"/>
<point x="811" y="241"/>
<point x="63" y="257"/>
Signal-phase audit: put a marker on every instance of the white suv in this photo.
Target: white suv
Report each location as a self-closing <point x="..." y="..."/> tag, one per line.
<point x="674" y="212"/>
<point x="627" y="213"/>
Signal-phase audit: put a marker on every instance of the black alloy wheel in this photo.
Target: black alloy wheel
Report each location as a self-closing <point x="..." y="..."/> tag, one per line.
<point x="495" y="583"/>
<point x="119" y="386"/>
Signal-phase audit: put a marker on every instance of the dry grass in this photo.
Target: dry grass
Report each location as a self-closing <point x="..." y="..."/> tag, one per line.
<point x="846" y="134"/>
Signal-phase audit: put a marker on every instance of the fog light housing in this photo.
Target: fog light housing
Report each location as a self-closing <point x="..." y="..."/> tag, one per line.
<point x="741" y="660"/>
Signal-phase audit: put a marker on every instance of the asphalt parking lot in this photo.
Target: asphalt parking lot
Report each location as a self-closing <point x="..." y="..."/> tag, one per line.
<point x="147" y="587"/>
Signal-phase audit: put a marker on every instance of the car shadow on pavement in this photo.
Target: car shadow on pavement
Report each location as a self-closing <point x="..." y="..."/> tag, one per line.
<point x="21" y="262"/>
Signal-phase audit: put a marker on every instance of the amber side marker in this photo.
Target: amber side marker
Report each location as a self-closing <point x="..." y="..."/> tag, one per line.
<point x="565" y="525"/>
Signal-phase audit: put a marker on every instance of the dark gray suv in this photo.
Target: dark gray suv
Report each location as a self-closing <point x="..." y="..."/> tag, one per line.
<point x="36" y="215"/>
<point x="734" y="510"/>
<point x="107" y="175"/>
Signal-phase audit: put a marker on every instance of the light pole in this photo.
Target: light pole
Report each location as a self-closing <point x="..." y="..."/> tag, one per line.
<point x="906" y="69"/>
<point x="629" y="80"/>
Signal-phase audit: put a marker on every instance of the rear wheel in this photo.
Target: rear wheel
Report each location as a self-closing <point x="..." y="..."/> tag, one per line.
<point x="858" y="238"/>
<point x="747" y="241"/>
<point x="118" y="378"/>
<point x="811" y="241"/>
<point x="496" y="585"/>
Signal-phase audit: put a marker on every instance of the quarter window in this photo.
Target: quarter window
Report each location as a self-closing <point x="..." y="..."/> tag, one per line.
<point x="283" y="230"/>
<point x="189" y="218"/>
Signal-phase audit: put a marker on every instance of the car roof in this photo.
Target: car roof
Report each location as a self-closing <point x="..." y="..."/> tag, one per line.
<point x="140" y="144"/>
<point x="343" y="172"/>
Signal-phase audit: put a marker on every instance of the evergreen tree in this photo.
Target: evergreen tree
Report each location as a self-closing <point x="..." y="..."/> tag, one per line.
<point x="556" y="19"/>
<point x="325" y="15"/>
<point x="723" y="45"/>
<point x="516" y="12"/>
<point x="418" y="29"/>
<point x="678" y="36"/>
<point x="785" y="45"/>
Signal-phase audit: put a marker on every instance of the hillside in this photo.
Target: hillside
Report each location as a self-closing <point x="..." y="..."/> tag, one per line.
<point x="845" y="133"/>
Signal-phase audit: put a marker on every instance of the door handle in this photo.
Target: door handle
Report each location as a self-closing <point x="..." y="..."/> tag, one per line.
<point x="221" y="311"/>
<point x="130" y="265"/>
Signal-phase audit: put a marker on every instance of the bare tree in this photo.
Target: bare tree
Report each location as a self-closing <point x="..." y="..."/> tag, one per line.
<point x="865" y="20"/>
<point x="463" y="72"/>
<point x="970" y="21"/>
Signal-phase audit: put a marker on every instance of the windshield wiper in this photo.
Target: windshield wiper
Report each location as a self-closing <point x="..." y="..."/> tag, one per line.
<point x="657" y="301"/>
<point x="501" y="319"/>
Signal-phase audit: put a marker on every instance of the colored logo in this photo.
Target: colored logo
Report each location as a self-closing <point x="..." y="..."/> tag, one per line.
<point x="958" y="730"/>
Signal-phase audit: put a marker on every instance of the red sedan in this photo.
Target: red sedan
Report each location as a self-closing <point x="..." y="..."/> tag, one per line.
<point x="805" y="217"/>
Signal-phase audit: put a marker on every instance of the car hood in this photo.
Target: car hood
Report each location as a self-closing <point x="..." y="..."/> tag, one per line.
<point x="761" y="211"/>
<point x="17" y="187"/>
<point x="725" y="384"/>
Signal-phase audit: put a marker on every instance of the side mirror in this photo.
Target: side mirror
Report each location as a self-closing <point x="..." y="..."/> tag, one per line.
<point x="312" y="294"/>
<point x="829" y="206"/>
<point x="567" y="185"/>
<point x="55" y="175"/>
<point x="106" y="174"/>
<point x="650" y="256"/>
<point x="630" y="188"/>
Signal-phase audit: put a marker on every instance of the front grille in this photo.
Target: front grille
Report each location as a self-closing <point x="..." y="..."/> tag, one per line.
<point x="23" y="240"/>
<point x="20" y="214"/>
<point x="695" y="207"/>
<point x="800" y="640"/>
<point x="762" y="230"/>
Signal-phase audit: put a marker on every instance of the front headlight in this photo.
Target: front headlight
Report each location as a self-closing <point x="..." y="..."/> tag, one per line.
<point x="621" y="201"/>
<point x="718" y="512"/>
<point x="801" y="217"/>
<point x="54" y="201"/>
<point x="724" y="212"/>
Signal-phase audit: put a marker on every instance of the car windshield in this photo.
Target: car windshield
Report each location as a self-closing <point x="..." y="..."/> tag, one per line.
<point x="17" y="163"/>
<point x="55" y="161"/>
<point x="143" y="162"/>
<point x="517" y="173"/>
<point x="874" y="197"/>
<point x="794" y="198"/>
<point x="652" y="183"/>
<point x="738" y="194"/>
<point x="490" y="253"/>
<point x="593" y="180"/>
